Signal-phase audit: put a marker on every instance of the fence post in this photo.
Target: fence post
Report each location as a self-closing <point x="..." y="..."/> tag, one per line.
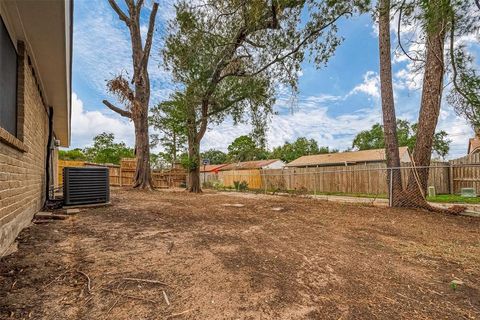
<point x="390" y="187"/>
<point x="315" y="183"/>
<point x="265" y="181"/>
<point x="450" y="179"/>
<point x="121" y="179"/>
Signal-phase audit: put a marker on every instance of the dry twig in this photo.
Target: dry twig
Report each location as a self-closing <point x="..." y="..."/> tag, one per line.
<point x="166" y="297"/>
<point x="88" y="279"/>
<point x="55" y="279"/>
<point x="146" y="280"/>
<point x="179" y="314"/>
<point x="129" y="296"/>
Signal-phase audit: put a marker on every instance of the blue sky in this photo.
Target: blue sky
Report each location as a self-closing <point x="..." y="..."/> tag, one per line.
<point x="335" y="102"/>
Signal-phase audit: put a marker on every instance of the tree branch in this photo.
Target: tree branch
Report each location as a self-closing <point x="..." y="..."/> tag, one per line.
<point x="123" y="113"/>
<point x="293" y="51"/>
<point x="399" y="34"/>
<point x="454" y="66"/>
<point x="148" y="41"/>
<point x="119" y="11"/>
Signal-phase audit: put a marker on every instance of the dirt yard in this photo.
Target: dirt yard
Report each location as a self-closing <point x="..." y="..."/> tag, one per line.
<point x="271" y="258"/>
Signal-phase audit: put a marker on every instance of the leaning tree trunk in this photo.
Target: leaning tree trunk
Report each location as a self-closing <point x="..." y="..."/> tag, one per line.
<point x="432" y="90"/>
<point x="394" y="177"/>
<point x="430" y="103"/>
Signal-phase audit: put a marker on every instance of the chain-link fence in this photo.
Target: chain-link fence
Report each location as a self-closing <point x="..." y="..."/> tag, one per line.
<point x="407" y="184"/>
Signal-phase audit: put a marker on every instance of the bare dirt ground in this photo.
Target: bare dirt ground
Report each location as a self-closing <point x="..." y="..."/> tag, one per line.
<point x="273" y="258"/>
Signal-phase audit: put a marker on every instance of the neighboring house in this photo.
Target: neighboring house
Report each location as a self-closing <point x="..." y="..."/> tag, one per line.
<point x="255" y="165"/>
<point x="35" y="80"/>
<point x="249" y="171"/>
<point x="363" y="157"/>
<point x="474" y="143"/>
<point x="210" y="172"/>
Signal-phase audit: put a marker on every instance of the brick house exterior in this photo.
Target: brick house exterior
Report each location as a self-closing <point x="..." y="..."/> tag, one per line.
<point x="40" y="35"/>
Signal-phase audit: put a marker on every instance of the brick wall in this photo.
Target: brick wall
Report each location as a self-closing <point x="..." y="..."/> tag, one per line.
<point x="22" y="161"/>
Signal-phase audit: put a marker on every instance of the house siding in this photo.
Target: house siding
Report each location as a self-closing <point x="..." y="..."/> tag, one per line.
<point x="22" y="162"/>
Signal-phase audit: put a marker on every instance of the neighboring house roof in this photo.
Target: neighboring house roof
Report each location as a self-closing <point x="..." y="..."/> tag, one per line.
<point x="46" y="29"/>
<point x="257" y="164"/>
<point x="343" y="158"/>
<point x="212" y="167"/>
<point x="473" y="145"/>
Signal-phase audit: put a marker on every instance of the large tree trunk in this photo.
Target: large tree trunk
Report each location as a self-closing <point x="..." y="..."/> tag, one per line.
<point x="432" y="89"/>
<point x="394" y="176"/>
<point x="138" y="100"/>
<point x="194" y="169"/>
<point x="431" y="100"/>
<point x="142" y="178"/>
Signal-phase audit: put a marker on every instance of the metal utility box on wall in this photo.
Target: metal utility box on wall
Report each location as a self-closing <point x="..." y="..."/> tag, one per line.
<point x="85" y="185"/>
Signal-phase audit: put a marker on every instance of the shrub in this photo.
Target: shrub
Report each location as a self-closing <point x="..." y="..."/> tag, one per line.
<point x="240" y="185"/>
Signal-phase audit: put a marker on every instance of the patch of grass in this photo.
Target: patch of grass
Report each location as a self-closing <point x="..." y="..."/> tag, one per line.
<point x="453" y="198"/>
<point x="359" y="195"/>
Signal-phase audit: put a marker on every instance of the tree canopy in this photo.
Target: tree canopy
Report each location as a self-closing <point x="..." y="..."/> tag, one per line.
<point x="214" y="156"/>
<point x="243" y="49"/>
<point x="300" y="147"/>
<point x="406" y="134"/>
<point x="73" y="155"/>
<point x="244" y="148"/>
<point x="168" y="119"/>
<point x="106" y="150"/>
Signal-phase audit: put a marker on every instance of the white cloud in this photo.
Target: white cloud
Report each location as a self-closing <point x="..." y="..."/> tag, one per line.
<point x="369" y="86"/>
<point x="458" y="129"/>
<point x="102" y="48"/>
<point x="311" y="120"/>
<point x="87" y="124"/>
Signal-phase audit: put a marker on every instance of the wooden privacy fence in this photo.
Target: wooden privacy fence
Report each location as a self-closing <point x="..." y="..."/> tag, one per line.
<point x="370" y="179"/>
<point x="122" y="175"/>
<point x="66" y="163"/>
<point x="171" y="178"/>
<point x="252" y="177"/>
<point x="355" y="179"/>
<point x="112" y="169"/>
<point x="465" y="173"/>
<point x="446" y="177"/>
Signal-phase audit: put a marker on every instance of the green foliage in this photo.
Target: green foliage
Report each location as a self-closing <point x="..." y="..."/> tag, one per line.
<point x="465" y="97"/>
<point x="453" y="198"/>
<point x="244" y="148"/>
<point x="106" y="150"/>
<point x="240" y="185"/>
<point x="218" y="185"/>
<point x="74" y="154"/>
<point x="450" y="19"/>
<point x="300" y="147"/>
<point x="159" y="161"/>
<point x="214" y="156"/>
<point x="228" y="56"/>
<point x="168" y="118"/>
<point x="453" y="286"/>
<point x="187" y="163"/>
<point x="407" y="135"/>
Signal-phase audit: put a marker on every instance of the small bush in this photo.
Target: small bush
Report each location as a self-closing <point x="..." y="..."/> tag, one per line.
<point x="207" y="185"/>
<point x="240" y="185"/>
<point x="236" y="185"/>
<point x="218" y="185"/>
<point x="243" y="185"/>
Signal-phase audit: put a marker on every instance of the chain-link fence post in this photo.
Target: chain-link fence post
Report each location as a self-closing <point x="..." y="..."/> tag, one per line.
<point x="390" y="187"/>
